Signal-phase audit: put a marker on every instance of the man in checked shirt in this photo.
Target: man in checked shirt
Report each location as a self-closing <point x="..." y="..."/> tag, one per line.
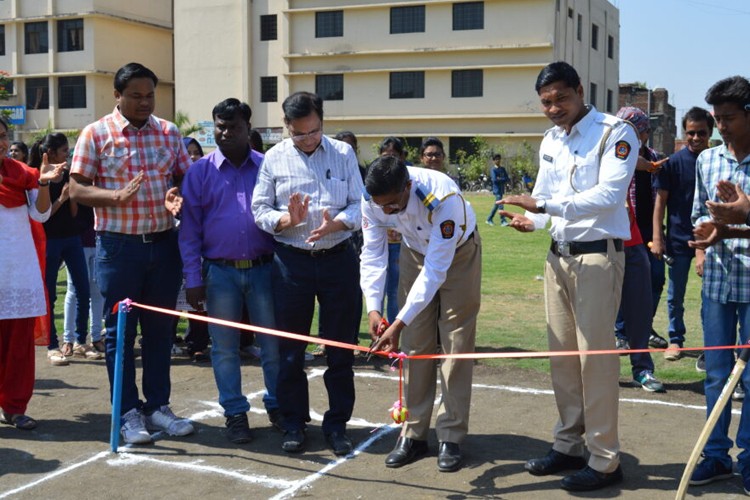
<point x="123" y="165"/>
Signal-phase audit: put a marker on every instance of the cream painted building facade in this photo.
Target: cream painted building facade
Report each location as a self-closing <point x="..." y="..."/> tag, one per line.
<point x="451" y="69"/>
<point x="63" y="54"/>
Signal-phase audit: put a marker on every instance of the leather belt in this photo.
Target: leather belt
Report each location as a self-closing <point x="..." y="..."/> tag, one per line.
<point x="143" y="238"/>
<point x="569" y="248"/>
<point x="317" y="253"/>
<point x="244" y="264"/>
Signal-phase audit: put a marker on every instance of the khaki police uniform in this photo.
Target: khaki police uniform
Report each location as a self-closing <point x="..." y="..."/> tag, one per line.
<point x="584" y="177"/>
<point x="439" y="289"/>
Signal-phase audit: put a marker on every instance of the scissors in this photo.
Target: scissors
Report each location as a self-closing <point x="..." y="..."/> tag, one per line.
<point x="382" y="327"/>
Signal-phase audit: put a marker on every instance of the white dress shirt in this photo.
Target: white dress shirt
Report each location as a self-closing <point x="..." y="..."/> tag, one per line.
<point x="585" y="194"/>
<point x="433" y="233"/>
<point x="330" y="176"/>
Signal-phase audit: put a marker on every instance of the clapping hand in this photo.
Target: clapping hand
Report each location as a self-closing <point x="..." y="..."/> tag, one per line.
<point x="49" y="172"/>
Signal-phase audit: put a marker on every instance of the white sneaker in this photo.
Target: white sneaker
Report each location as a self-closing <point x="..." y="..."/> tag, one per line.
<point x="164" y="420"/>
<point x="133" y="428"/>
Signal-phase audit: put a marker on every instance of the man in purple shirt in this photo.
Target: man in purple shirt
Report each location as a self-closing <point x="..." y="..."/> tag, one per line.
<point x="227" y="260"/>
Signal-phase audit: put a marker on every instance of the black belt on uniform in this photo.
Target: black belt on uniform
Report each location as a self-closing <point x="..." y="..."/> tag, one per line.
<point x="317" y="253"/>
<point x="244" y="264"/>
<point x="143" y="238"/>
<point x="566" y="249"/>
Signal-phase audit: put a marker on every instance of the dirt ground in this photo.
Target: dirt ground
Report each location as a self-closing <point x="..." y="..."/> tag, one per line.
<point x="67" y="456"/>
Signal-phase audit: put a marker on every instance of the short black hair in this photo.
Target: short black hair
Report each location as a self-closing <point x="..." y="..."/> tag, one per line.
<point x="497" y="156"/>
<point x="131" y="71"/>
<point x="4" y="122"/>
<point x="734" y="89"/>
<point x="558" y="71"/>
<point x="256" y="141"/>
<point x="301" y="104"/>
<point x="697" y="114"/>
<point x="230" y="108"/>
<point x="20" y="144"/>
<point x="392" y="143"/>
<point x="386" y="175"/>
<point x="345" y="135"/>
<point x="431" y="141"/>
<point x="50" y="142"/>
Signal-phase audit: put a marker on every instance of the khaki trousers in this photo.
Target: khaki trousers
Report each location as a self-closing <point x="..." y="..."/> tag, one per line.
<point x="582" y="296"/>
<point x="452" y="314"/>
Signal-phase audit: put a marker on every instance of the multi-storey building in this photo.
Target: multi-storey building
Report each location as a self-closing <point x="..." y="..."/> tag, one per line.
<point x="655" y="103"/>
<point x="451" y="69"/>
<point x="63" y="54"/>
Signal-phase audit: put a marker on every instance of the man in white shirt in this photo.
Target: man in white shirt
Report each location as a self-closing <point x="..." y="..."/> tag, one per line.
<point x="586" y="163"/>
<point x="439" y="286"/>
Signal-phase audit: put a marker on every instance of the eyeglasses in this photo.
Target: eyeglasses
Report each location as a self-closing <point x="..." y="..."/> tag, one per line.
<point x="699" y="133"/>
<point x="309" y="135"/>
<point x="393" y="208"/>
<point x="433" y="155"/>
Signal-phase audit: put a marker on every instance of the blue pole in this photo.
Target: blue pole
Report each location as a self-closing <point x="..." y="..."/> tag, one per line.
<point x="114" y="435"/>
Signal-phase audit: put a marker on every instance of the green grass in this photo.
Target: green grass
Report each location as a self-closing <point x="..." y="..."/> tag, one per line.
<point x="512" y="312"/>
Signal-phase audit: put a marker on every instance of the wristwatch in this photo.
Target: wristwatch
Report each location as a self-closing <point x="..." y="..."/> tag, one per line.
<point x="541" y="206"/>
<point x="42" y="184"/>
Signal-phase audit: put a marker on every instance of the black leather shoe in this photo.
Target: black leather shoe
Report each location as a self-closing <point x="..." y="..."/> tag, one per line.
<point x="554" y="462"/>
<point x="449" y="457"/>
<point x="339" y="443"/>
<point x="293" y="441"/>
<point x="589" y="479"/>
<point x="406" y="450"/>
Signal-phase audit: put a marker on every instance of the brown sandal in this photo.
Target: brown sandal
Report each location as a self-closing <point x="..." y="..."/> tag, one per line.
<point x="67" y="349"/>
<point x="23" y="422"/>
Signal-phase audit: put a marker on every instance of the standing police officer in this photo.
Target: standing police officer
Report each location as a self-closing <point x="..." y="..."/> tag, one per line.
<point x="586" y="163"/>
<point x="439" y="287"/>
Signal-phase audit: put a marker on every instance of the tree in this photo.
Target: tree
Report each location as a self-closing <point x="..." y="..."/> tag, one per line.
<point x="182" y="120"/>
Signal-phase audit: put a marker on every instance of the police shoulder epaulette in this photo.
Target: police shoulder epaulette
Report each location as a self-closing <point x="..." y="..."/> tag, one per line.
<point x="429" y="200"/>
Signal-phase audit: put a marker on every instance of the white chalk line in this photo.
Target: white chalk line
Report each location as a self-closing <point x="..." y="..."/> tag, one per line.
<point x="133" y="455"/>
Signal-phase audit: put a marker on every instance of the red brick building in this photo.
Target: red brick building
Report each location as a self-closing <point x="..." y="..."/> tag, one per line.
<point x="655" y="102"/>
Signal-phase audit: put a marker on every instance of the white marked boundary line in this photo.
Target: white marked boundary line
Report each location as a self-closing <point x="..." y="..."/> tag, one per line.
<point x="55" y="474"/>
<point x="294" y="486"/>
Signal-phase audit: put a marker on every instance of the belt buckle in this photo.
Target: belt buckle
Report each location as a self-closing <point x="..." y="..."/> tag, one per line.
<point x="563" y="248"/>
<point x="243" y="264"/>
<point x="147" y="237"/>
<point x="316" y="253"/>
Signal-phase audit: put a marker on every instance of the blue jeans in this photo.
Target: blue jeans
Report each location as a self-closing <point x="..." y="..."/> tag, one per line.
<point x="391" y="281"/>
<point x="634" y="319"/>
<point x="496" y="207"/>
<point x="149" y="273"/>
<point x="679" y="272"/>
<point x="96" y="311"/>
<point x="227" y="291"/>
<point x="70" y="251"/>
<point x="298" y="280"/>
<point x="720" y="328"/>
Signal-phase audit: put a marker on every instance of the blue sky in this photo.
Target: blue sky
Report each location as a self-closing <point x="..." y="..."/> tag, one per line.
<point x="684" y="46"/>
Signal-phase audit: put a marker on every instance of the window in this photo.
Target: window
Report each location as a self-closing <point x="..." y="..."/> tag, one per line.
<point x="328" y="24"/>
<point x="611" y="47"/>
<point x="2" y="39"/>
<point x="71" y="91"/>
<point x="467" y="83"/>
<point x="407" y="19"/>
<point x="36" y="37"/>
<point x="579" y="33"/>
<point x="268" y="30"/>
<point x="70" y="35"/>
<point x="570" y="13"/>
<point x="407" y="85"/>
<point x="468" y="16"/>
<point x="9" y="87"/>
<point x="595" y="37"/>
<point x="592" y="93"/>
<point x="330" y="87"/>
<point x="610" y="101"/>
<point x="37" y="93"/>
<point x="268" y="89"/>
